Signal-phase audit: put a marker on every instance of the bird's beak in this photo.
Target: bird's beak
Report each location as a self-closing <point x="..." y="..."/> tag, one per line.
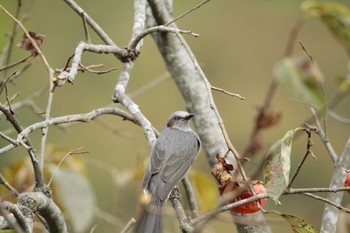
<point x="189" y="116"/>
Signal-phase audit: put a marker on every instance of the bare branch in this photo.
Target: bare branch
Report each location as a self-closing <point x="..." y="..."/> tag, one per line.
<point x="16" y="63"/>
<point x="86" y="117"/>
<point x="137" y="39"/>
<point x="120" y="96"/>
<point x="91" y="48"/>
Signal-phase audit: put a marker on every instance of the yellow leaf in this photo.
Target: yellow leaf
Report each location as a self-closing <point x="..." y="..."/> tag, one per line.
<point x="205" y="188"/>
<point x="335" y="16"/>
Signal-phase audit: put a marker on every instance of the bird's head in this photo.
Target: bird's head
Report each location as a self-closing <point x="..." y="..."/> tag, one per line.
<point x="180" y="120"/>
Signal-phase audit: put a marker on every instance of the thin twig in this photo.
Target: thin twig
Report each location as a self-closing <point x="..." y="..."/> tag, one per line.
<point x="339" y="118"/>
<point x="227" y="92"/>
<point x="86" y="30"/>
<point x="187" y="12"/>
<point x="155" y="82"/>
<point x="71" y="152"/>
<point x="15" y="63"/>
<point x="88" y="69"/>
<point x="129" y="225"/>
<point x="44" y="131"/>
<point x="320" y="82"/>
<point x="308" y="151"/>
<point x="210" y="215"/>
<point x="316" y="190"/>
<point x="3" y="84"/>
<point x="325" y="200"/>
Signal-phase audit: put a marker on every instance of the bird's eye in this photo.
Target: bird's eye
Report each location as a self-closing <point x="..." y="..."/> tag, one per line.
<point x="176" y="118"/>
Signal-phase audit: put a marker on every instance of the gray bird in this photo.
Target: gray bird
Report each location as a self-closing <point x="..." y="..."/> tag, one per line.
<point x="172" y="155"/>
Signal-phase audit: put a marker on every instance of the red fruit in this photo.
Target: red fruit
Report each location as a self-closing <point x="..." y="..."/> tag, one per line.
<point x="250" y="207"/>
<point x="347" y="181"/>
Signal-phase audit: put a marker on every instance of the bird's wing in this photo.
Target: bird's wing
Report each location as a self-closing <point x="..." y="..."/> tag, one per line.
<point x="154" y="164"/>
<point x="178" y="159"/>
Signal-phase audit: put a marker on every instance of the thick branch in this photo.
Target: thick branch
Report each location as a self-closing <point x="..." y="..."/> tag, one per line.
<point x="330" y="214"/>
<point x="45" y="206"/>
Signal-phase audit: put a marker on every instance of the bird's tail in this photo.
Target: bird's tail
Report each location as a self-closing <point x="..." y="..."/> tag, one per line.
<point x="151" y="219"/>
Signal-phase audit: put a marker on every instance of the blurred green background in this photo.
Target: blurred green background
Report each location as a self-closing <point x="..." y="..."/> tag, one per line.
<point x="239" y="43"/>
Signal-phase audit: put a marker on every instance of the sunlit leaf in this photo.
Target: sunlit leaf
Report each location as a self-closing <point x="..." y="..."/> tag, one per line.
<point x="334" y="15"/>
<point x="277" y="165"/>
<point x="8" y="231"/>
<point x="299" y="77"/>
<point x="76" y="195"/>
<point x="205" y="189"/>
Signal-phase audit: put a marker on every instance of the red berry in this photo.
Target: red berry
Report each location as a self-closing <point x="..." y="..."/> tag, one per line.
<point x="250" y="207"/>
<point x="347" y="181"/>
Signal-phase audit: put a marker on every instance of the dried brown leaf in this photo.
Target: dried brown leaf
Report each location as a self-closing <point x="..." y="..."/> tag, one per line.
<point x="26" y="44"/>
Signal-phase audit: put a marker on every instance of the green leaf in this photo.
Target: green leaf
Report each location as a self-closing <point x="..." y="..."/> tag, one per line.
<point x="335" y="16"/>
<point x="297" y="224"/>
<point x="299" y="77"/>
<point x="76" y="195"/>
<point x="277" y="165"/>
<point x="7" y="231"/>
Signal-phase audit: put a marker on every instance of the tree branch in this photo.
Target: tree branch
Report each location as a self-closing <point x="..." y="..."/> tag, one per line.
<point x="330" y="213"/>
<point x="45" y="206"/>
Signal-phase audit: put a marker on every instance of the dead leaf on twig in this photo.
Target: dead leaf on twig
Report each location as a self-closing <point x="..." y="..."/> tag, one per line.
<point x="26" y="44"/>
<point x="222" y="160"/>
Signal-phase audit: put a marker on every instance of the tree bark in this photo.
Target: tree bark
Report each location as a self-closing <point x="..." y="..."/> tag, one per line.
<point x="330" y="213"/>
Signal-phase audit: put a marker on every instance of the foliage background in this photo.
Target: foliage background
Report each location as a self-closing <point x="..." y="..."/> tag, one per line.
<point x="239" y="43"/>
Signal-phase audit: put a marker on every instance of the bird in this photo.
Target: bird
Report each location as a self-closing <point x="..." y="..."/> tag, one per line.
<point x="171" y="158"/>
